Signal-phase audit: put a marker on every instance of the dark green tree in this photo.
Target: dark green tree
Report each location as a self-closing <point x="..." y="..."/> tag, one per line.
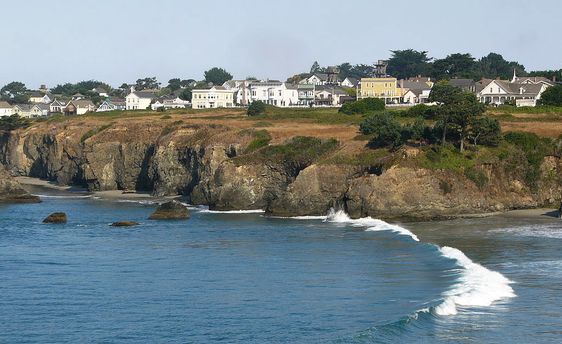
<point x="464" y="109"/>
<point x="217" y="76"/>
<point x="444" y="94"/>
<point x="315" y="67"/>
<point x="385" y="129"/>
<point x="174" y="84"/>
<point x="408" y="63"/>
<point x="486" y="131"/>
<point x="494" y="65"/>
<point x="455" y="66"/>
<point x="13" y="122"/>
<point x="552" y="96"/>
<point x="186" y="94"/>
<point x="149" y="83"/>
<point x="15" y="93"/>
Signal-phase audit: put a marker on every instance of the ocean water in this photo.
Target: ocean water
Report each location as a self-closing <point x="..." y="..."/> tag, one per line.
<point x="241" y="277"/>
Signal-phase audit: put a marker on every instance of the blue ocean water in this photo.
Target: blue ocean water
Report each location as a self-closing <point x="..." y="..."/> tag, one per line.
<point x="246" y="278"/>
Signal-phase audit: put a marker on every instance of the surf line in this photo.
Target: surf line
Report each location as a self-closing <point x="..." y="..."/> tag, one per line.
<point x="476" y="286"/>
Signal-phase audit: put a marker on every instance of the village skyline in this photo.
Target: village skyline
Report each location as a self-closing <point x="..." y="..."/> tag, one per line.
<point x="114" y="41"/>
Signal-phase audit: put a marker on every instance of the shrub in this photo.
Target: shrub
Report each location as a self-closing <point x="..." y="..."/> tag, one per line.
<point x="256" y="108"/>
<point x="535" y="149"/>
<point x="261" y="139"/>
<point x="14" y="122"/>
<point x="385" y="128"/>
<point x="421" y="110"/>
<point x="478" y="177"/>
<point x="93" y="132"/>
<point x="363" y="106"/>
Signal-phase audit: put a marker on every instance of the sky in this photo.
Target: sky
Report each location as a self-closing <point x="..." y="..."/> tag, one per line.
<point x="56" y="41"/>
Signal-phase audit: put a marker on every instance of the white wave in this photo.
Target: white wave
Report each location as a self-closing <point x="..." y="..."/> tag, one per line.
<point x="372" y="224"/>
<point x="477" y="286"/>
<point x="143" y="202"/>
<point x="251" y="211"/>
<point x="64" y="196"/>
<point x="310" y="217"/>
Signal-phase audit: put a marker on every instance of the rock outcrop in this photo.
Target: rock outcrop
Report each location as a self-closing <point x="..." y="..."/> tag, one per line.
<point x="124" y="224"/>
<point x="172" y="210"/>
<point x="12" y="192"/>
<point x="56" y="218"/>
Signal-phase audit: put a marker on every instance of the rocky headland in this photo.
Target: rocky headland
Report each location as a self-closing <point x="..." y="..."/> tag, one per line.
<point x="229" y="166"/>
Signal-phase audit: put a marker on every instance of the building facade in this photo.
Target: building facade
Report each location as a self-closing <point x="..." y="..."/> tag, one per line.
<point x="214" y="97"/>
<point x="383" y="88"/>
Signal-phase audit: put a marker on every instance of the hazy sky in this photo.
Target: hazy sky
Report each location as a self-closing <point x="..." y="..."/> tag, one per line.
<point x="50" y="42"/>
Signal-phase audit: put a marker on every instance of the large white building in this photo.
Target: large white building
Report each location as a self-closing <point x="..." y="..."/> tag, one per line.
<point x="139" y="100"/>
<point x="274" y="93"/>
<point x="214" y="97"/>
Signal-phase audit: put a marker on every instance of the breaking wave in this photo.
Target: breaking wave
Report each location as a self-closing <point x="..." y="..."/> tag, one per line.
<point x="476" y="286"/>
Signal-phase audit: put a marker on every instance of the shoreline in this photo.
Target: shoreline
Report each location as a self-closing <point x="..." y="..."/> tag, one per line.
<point x="33" y="184"/>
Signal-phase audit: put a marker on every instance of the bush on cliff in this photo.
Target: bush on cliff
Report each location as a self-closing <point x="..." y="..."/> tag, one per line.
<point x="296" y="154"/>
<point x="261" y="139"/>
<point x="385" y="128"/>
<point x="256" y="108"/>
<point x="14" y="122"/>
<point x="363" y="106"/>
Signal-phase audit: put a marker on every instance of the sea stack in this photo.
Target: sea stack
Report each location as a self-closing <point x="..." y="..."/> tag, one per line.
<point x="172" y="210"/>
<point x="56" y="218"/>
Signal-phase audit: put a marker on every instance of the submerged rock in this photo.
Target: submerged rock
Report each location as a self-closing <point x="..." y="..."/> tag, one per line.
<point x="172" y="210"/>
<point x="124" y="224"/>
<point x="56" y="218"/>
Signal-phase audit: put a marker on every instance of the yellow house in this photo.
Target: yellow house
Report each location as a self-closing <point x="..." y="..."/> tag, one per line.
<point x="384" y="88"/>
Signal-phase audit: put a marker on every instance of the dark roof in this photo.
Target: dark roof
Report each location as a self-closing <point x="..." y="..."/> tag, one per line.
<point x="331" y="89"/>
<point x="461" y="83"/>
<point x="415" y="85"/>
<point x="145" y="94"/>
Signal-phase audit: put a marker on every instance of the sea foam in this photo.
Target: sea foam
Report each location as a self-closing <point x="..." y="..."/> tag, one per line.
<point x="477" y="286"/>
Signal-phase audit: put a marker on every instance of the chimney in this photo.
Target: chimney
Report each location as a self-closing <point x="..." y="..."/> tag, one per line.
<point x="554" y="78"/>
<point x="402" y="83"/>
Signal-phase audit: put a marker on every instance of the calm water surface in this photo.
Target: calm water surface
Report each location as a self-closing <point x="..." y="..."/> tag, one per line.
<point x="247" y="278"/>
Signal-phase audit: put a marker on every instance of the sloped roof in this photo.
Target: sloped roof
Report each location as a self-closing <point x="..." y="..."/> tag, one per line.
<point x="416" y="85"/>
<point x="5" y="105"/>
<point x="82" y="103"/>
<point x="145" y="94"/>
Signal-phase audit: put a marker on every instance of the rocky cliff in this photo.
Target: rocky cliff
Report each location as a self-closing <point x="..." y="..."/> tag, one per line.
<point x="11" y="191"/>
<point x="211" y="165"/>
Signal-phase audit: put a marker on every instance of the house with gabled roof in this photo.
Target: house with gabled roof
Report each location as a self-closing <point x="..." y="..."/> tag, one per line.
<point x="39" y="97"/>
<point x="57" y="106"/>
<point x="23" y="110"/>
<point x="350" y="82"/>
<point x="79" y="107"/>
<point x="497" y="92"/>
<point x="6" y="109"/>
<point x="39" y="110"/>
<point x="139" y="100"/>
<point x="112" y="104"/>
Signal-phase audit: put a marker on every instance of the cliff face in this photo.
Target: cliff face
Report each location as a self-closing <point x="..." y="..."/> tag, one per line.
<point x="11" y="191"/>
<point x="200" y="162"/>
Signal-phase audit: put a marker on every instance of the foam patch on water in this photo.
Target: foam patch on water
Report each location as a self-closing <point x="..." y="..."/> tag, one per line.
<point x="547" y="230"/>
<point x="251" y="211"/>
<point x="476" y="286"/>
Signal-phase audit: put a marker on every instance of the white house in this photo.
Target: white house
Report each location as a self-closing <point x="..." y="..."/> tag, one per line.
<point x="274" y="93"/>
<point x="57" y="106"/>
<point x="39" y="97"/>
<point x="112" y="105"/>
<point x="497" y="92"/>
<point x="214" y="97"/>
<point x="139" y="100"/>
<point x="350" y="82"/>
<point x="39" y="110"/>
<point x="23" y="110"/>
<point x="170" y="102"/>
<point x="78" y="107"/>
<point x="329" y="95"/>
<point x="102" y="92"/>
<point x="6" y="109"/>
